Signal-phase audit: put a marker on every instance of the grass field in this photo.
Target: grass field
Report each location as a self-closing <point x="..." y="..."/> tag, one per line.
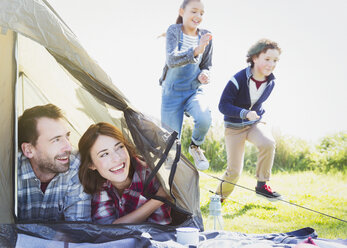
<point x="244" y="212"/>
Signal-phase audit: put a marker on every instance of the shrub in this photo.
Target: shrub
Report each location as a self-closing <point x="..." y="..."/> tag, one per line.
<point x="292" y="154"/>
<point x="251" y="156"/>
<point x="331" y="154"/>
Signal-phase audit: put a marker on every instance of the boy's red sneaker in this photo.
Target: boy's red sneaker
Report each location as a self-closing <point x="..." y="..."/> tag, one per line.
<point x="267" y="192"/>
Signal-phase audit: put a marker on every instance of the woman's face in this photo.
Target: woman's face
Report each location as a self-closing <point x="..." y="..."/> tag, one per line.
<point x="111" y="159"/>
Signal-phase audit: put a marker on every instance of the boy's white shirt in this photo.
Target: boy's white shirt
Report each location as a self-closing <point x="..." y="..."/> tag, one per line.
<point x="255" y="93"/>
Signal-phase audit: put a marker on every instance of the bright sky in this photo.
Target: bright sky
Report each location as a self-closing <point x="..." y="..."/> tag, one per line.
<point x="309" y="99"/>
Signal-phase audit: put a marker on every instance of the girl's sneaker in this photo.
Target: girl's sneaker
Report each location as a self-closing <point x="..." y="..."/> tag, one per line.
<point x="200" y="160"/>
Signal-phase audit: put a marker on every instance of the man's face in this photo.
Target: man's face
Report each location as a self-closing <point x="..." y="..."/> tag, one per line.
<point x="51" y="154"/>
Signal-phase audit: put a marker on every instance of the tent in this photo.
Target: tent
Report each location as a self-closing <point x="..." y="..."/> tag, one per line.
<point x="42" y="62"/>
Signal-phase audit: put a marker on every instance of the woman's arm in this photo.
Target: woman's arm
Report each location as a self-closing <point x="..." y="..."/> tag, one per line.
<point x="142" y="213"/>
<point x="103" y="208"/>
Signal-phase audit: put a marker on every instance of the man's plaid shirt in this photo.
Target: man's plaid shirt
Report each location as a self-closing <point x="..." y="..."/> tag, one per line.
<point x="108" y="206"/>
<point x="63" y="199"/>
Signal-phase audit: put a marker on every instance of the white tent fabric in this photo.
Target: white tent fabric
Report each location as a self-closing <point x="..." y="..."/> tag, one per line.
<point x="8" y="74"/>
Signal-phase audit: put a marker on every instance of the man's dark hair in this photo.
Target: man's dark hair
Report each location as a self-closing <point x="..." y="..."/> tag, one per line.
<point x="27" y="132"/>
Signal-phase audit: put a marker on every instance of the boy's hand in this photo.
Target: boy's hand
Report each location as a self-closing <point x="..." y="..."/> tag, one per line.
<point x="252" y="116"/>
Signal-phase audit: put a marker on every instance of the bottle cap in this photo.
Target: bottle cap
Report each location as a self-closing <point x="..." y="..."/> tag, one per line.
<point x="215" y="205"/>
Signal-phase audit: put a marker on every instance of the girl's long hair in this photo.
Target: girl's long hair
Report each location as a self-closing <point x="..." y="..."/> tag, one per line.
<point x="179" y="19"/>
<point x="183" y="6"/>
<point x="91" y="180"/>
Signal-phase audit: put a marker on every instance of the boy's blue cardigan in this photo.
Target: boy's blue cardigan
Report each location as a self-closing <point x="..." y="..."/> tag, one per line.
<point x="235" y="101"/>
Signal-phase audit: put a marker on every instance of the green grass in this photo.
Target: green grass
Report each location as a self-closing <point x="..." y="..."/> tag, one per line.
<point x="244" y="212"/>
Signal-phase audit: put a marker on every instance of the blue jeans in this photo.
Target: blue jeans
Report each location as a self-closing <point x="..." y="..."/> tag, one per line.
<point x="175" y="103"/>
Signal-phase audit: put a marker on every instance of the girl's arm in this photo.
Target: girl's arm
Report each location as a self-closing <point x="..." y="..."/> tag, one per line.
<point x="174" y="57"/>
<point x="142" y="213"/>
<point x="203" y="42"/>
<point x="206" y="61"/>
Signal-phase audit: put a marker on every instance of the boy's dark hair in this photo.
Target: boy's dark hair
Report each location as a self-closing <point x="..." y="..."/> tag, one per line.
<point x="261" y="47"/>
<point x="27" y="132"/>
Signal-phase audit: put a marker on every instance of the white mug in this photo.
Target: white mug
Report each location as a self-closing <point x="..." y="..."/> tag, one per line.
<point x="188" y="235"/>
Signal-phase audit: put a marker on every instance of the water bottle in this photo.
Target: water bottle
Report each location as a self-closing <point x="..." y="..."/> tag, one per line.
<point x="215" y="219"/>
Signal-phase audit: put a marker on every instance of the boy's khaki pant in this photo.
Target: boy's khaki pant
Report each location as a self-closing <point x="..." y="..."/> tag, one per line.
<point x="258" y="134"/>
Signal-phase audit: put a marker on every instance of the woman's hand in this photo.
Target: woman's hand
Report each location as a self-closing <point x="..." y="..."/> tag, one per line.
<point x="252" y="116"/>
<point x="204" y="40"/>
<point x="161" y="193"/>
<point x="143" y="212"/>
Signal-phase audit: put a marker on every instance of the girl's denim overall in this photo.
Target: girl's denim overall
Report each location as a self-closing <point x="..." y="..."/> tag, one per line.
<point x="181" y="92"/>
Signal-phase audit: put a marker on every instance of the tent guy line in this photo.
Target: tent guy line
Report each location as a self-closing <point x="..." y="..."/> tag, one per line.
<point x="215" y="193"/>
<point x="291" y="203"/>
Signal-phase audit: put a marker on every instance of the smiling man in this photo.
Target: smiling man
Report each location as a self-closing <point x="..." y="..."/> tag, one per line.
<point x="48" y="184"/>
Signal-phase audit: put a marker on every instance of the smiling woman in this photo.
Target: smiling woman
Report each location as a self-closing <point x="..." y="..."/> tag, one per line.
<point x="115" y="175"/>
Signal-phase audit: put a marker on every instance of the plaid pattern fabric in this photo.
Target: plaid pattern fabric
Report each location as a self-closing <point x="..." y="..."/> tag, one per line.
<point x="108" y="206"/>
<point x="63" y="199"/>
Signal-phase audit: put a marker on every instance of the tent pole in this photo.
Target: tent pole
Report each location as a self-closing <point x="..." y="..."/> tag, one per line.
<point x="15" y="148"/>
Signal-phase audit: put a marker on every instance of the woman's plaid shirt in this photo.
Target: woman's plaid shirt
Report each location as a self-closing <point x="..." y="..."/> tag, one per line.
<point x="107" y="205"/>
